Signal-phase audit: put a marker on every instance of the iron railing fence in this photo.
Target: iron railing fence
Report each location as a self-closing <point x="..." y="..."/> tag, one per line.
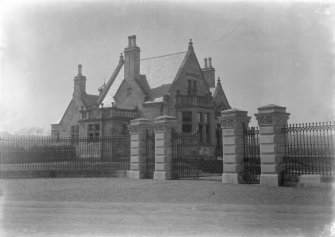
<point x="185" y="155"/>
<point x="309" y="148"/>
<point x="69" y="156"/>
<point x="252" y="166"/>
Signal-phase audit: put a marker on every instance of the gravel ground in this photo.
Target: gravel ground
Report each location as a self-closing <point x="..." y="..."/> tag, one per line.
<point x="122" y="207"/>
<point x="174" y="191"/>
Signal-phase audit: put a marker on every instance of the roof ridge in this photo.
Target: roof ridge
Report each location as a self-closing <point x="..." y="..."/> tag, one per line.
<point x="164" y="55"/>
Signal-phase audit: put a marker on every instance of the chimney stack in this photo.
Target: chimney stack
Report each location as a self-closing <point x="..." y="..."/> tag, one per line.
<point x="205" y="60"/>
<point x="79" y="69"/>
<point x="134" y="41"/>
<point x="209" y="72"/>
<point x="79" y="84"/>
<point x="129" y="41"/>
<point x="131" y="59"/>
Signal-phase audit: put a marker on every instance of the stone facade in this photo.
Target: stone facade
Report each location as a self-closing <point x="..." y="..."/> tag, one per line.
<point x="172" y="85"/>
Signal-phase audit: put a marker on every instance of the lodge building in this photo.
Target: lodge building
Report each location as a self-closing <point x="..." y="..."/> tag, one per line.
<point x="173" y="85"/>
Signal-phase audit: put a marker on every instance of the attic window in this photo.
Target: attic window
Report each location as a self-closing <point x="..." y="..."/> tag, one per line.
<point x="192" y="87"/>
<point x="129" y="91"/>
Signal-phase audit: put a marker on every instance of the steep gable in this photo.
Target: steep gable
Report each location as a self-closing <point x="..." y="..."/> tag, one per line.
<point x="157" y="75"/>
<point x="161" y="71"/>
<point x="189" y="69"/>
<point x="220" y="98"/>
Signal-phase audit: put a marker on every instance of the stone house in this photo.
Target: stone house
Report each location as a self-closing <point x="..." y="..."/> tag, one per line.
<point x="173" y="85"/>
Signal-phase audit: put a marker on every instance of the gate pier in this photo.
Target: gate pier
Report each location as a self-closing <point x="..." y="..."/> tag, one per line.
<point x="138" y="131"/>
<point x="271" y="119"/>
<point x="233" y="122"/>
<point x="163" y="146"/>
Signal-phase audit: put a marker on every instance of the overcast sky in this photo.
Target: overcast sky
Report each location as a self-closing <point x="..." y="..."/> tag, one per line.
<point x="265" y="53"/>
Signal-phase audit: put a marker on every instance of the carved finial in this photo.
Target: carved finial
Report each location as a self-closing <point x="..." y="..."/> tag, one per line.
<point x="190" y="44"/>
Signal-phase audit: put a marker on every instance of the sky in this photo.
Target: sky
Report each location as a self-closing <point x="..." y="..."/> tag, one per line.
<point x="264" y="52"/>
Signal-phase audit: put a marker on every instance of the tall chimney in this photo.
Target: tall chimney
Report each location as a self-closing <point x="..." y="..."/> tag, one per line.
<point x="209" y="72"/>
<point x="129" y="41"/>
<point x="134" y="41"/>
<point x="210" y="62"/>
<point x="79" y="84"/>
<point x="79" y="69"/>
<point x="132" y="59"/>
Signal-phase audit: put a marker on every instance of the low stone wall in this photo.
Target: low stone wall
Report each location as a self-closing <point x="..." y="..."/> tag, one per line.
<point x="316" y="181"/>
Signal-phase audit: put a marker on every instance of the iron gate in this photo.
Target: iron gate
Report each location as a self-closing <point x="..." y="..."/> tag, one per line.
<point x="150" y="155"/>
<point x="252" y="163"/>
<point x="185" y="155"/>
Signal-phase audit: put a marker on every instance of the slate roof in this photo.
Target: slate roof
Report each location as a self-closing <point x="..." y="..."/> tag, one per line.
<point x="157" y="73"/>
<point x="89" y="100"/>
<point x="161" y="70"/>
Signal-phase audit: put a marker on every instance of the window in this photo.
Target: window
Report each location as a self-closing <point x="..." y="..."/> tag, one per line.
<point x="207" y="132"/>
<point x="189" y="87"/>
<point x="192" y="87"/>
<point x="93" y="132"/>
<point x="187" y="121"/>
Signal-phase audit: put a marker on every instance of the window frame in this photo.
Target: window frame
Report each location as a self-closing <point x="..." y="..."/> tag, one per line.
<point x="188" y="122"/>
<point x="93" y="132"/>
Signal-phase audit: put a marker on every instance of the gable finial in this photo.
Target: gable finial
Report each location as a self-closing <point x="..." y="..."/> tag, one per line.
<point x="219" y="80"/>
<point x="190" y="45"/>
<point x="121" y="58"/>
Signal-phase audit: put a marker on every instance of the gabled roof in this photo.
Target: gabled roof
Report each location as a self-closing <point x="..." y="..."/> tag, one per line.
<point x="161" y="70"/>
<point x="144" y="85"/>
<point x="218" y="92"/>
<point x="157" y="75"/>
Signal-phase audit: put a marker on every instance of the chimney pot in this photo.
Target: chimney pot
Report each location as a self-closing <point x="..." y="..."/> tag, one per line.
<point x="205" y="60"/>
<point x="134" y="41"/>
<point x="79" y="69"/>
<point x="210" y="62"/>
<point x="129" y="41"/>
